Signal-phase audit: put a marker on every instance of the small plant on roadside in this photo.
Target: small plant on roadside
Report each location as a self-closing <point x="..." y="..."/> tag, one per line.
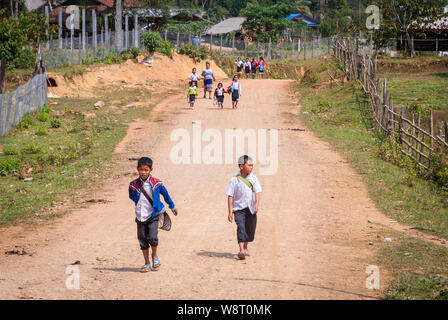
<point x="9" y="166"/>
<point x="26" y="122"/>
<point x="42" y="116"/>
<point x="10" y="150"/>
<point x="322" y="107"/>
<point x="55" y="123"/>
<point x="41" y="131"/>
<point x="31" y="149"/>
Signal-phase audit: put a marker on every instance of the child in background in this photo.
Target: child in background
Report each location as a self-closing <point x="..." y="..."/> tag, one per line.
<point x="236" y="90"/>
<point x="247" y="67"/>
<point x="219" y="95"/>
<point x="239" y="67"/>
<point x="254" y="67"/>
<point x="261" y="67"/>
<point x="192" y="93"/>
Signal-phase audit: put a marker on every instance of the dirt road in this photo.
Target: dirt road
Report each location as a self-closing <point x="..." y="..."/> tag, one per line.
<point x="311" y="242"/>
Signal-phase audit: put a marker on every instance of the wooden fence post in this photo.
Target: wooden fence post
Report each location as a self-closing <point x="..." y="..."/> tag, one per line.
<point x="2" y="75"/>
<point x="126" y="32"/>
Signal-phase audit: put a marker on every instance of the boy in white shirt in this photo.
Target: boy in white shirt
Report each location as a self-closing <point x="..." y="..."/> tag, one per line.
<point x="243" y="198"/>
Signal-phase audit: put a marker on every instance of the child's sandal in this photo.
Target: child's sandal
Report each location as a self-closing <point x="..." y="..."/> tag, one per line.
<point x="155" y="264"/>
<point x="145" y="268"/>
<point x="241" y="255"/>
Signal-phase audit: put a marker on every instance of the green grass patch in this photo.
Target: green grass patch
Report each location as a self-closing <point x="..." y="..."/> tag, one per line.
<point x="420" y="269"/>
<point x="65" y="154"/>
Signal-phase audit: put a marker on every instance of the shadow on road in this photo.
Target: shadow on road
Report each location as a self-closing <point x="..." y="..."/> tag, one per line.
<point x="311" y="286"/>
<point x="217" y="254"/>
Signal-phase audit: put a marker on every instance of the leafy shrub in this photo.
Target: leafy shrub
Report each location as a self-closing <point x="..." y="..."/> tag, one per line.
<point x="152" y="41"/>
<point x="135" y="52"/>
<point x="197" y="54"/>
<point x="31" y="149"/>
<point x="18" y="38"/>
<point x="55" y="123"/>
<point x="166" y="48"/>
<point x="41" y="131"/>
<point x="10" y="150"/>
<point x="45" y="109"/>
<point x="26" y="122"/>
<point x="9" y="166"/>
<point x="322" y="107"/>
<point x="438" y="170"/>
<point x="42" y="116"/>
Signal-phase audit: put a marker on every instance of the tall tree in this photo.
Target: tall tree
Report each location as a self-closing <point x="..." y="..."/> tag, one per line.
<point x="400" y="16"/>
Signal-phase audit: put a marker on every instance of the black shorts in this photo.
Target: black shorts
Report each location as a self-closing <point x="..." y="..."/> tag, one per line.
<point x="192" y="98"/>
<point x="247" y="70"/>
<point x="235" y="95"/>
<point x="246" y="224"/>
<point x="220" y="99"/>
<point x="254" y="71"/>
<point x="147" y="232"/>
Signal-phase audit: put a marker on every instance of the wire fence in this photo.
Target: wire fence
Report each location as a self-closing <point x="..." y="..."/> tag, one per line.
<point x="29" y="97"/>
<point x="73" y="49"/>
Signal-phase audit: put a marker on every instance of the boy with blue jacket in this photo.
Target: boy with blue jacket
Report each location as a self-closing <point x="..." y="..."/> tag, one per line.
<point x="145" y="191"/>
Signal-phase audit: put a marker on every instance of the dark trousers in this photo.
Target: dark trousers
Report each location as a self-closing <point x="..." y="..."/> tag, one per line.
<point x="147" y="233"/>
<point x="246" y="223"/>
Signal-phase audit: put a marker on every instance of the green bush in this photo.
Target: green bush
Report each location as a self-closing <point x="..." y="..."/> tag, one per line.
<point x="166" y="48"/>
<point x="19" y="38"/>
<point x="197" y="54"/>
<point x="10" y="150"/>
<point x="55" y="123"/>
<point x="42" y="116"/>
<point x="9" y="166"/>
<point x="152" y="41"/>
<point x="26" y="122"/>
<point x="322" y="107"/>
<point x="31" y="149"/>
<point x="41" y="131"/>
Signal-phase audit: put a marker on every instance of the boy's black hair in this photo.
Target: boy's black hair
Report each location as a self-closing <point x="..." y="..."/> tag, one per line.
<point x="243" y="159"/>
<point x="220" y="84"/>
<point x="191" y="83"/>
<point x="144" y="161"/>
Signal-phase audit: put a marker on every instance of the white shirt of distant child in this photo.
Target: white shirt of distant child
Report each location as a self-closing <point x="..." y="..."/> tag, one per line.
<point x="194" y="76"/>
<point x="243" y="197"/>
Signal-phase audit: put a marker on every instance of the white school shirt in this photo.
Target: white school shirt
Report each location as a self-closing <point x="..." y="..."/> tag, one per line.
<point x="143" y="209"/>
<point x="237" y="86"/>
<point x="247" y="64"/>
<point x="243" y="197"/>
<point x="194" y="76"/>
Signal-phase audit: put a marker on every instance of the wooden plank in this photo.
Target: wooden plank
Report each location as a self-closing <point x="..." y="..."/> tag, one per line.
<point x="413" y="137"/>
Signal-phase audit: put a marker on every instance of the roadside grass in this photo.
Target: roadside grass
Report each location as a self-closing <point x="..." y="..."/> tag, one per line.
<point x="335" y="116"/>
<point x="424" y="88"/>
<point x="64" y="152"/>
<point x="420" y="269"/>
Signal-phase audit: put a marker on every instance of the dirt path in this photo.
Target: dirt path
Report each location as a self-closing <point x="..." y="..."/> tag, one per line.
<point x="311" y="242"/>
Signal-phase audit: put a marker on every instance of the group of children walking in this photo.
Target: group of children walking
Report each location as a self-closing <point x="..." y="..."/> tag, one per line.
<point x="243" y="199"/>
<point x="250" y="67"/>
<point x="234" y="89"/>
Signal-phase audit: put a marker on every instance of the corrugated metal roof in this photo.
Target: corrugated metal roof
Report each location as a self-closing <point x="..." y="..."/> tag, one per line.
<point x="227" y="26"/>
